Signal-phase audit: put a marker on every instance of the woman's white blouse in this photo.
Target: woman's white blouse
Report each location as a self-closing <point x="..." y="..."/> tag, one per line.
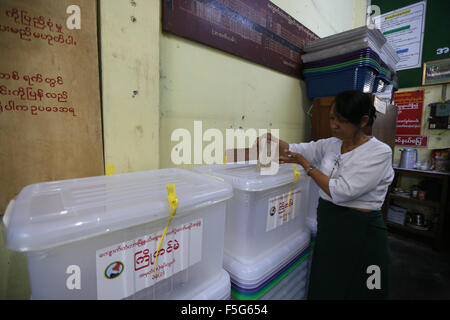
<point x="359" y="178"/>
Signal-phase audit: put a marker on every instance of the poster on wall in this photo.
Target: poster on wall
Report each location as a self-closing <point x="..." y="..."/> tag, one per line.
<point x="50" y="119"/>
<point x="409" y="116"/>
<point x="256" y="30"/>
<point x="404" y="29"/>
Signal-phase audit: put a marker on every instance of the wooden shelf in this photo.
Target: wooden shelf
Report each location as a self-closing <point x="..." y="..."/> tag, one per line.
<point x="423" y="233"/>
<point x="421" y="202"/>
<point x="441" y="231"/>
<point x="425" y="173"/>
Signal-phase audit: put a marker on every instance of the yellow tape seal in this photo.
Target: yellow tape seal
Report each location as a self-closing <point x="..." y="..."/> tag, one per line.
<point x="296" y="175"/>
<point x="109" y="170"/>
<point x="173" y="203"/>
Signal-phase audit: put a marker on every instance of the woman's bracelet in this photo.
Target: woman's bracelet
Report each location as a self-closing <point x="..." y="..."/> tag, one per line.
<point x="308" y="170"/>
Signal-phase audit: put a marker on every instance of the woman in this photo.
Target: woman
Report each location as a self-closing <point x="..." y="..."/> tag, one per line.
<point x="353" y="170"/>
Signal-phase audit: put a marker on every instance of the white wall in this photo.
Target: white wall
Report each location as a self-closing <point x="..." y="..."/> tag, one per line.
<point x="130" y="83"/>
<point x="325" y="17"/>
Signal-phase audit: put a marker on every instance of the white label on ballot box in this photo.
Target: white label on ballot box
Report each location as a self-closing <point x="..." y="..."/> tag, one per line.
<point x="278" y="212"/>
<point x="128" y="267"/>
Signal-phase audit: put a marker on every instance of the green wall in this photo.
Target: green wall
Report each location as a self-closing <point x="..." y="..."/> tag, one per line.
<point x="436" y="35"/>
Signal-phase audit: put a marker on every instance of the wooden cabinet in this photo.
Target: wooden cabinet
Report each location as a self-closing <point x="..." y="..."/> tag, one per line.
<point x="320" y="123"/>
<point x="383" y="128"/>
<point x="437" y="204"/>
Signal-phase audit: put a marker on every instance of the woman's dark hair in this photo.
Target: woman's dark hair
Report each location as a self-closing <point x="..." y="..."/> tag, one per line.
<point x="353" y="105"/>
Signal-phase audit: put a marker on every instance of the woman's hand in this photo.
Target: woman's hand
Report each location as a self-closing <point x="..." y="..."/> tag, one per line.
<point x="282" y="145"/>
<point x="291" y="157"/>
<point x="321" y="179"/>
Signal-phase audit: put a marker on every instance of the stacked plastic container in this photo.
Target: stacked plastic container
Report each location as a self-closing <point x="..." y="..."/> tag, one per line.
<point x="311" y="219"/>
<point x="267" y="241"/>
<point x="98" y="237"/>
<point x="358" y="59"/>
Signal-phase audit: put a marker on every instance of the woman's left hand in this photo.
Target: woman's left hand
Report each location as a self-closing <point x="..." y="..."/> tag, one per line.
<point x="291" y="157"/>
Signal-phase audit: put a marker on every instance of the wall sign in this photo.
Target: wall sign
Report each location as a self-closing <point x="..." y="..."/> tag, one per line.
<point x="409" y="117"/>
<point x="411" y="141"/>
<point x="50" y="120"/>
<point x="404" y="29"/>
<point x="256" y="30"/>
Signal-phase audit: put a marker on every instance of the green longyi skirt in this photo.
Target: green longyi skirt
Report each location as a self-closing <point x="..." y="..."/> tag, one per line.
<point x="351" y="256"/>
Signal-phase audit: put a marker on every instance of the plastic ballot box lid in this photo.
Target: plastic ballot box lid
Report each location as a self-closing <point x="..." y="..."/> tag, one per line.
<point x="49" y="214"/>
<point x="244" y="176"/>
